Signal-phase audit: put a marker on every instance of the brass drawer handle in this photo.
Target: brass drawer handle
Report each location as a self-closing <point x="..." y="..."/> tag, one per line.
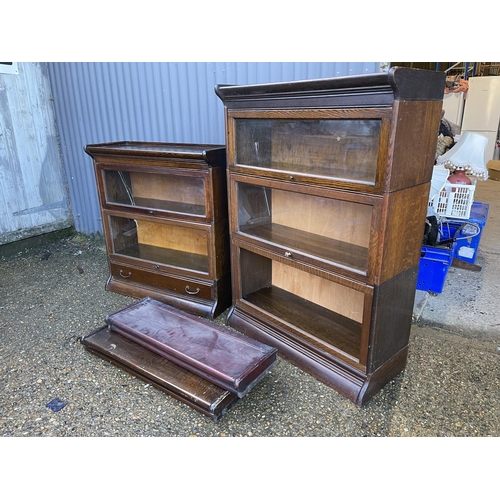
<point x="123" y="276"/>
<point x="191" y="292"/>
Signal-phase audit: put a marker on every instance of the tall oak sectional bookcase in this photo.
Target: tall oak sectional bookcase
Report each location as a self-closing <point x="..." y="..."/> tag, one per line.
<point x="328" y="184"/>
<point x="322" y="215"/>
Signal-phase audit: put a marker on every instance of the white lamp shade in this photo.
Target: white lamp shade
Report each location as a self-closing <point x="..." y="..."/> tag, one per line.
<point x="467" y="154"/>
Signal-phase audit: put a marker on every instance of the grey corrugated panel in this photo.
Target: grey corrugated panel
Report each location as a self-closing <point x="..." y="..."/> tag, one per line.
<point x="69" y="120"/>
<point x="150" y="101"/>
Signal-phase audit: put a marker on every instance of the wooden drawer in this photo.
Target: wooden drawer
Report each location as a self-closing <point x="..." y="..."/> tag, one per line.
<point x="188" y="287"/>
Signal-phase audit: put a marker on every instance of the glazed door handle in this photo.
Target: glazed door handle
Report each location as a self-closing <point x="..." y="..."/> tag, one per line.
<point x="191" y="292"/>
<point x="123" y="275"/>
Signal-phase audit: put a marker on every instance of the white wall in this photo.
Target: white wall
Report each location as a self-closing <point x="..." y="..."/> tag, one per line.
<point x="33" y="188"/>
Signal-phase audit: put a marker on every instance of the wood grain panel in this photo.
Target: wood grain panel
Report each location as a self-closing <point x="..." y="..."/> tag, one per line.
<point x="174" y="237"/>
<point x="404" y="221"/>
<point x="331" y="218"/>
<point x="413" y="142"/>
<point x="325" y="293"/>
<point x="186" y="190"/>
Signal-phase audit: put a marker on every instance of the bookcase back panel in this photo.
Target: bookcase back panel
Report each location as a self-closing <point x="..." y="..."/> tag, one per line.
<point x="173" y="237"/>
<point x="325" y="293"/>
<point x="174" y="188"/>
<point x="334" y="219"/>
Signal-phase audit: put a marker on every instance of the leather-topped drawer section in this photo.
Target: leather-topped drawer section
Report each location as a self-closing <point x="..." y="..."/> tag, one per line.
<point x="190" y="288"/>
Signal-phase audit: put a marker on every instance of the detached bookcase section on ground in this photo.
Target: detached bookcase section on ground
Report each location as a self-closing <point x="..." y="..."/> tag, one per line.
<point x="328" y="185"/>
<point x="165" y="221"/>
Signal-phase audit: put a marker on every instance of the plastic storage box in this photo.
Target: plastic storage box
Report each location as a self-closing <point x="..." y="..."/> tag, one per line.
<point x="454" y="200"/>
<point x="468" y="238"/>
<point x="434" y="265"/>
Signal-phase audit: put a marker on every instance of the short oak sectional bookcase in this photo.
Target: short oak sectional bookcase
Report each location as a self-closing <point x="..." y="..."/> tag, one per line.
<point x="328" y="184"/>
<point x="165" y="222"/>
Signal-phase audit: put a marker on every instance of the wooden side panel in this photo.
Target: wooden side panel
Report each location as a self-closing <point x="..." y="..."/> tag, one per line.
<point x="392" y="316"/>
<point x="404" y="230"/>
<point x="217" y="193"/>
<point x="413" y="142"/>
<point x="220" y="253"/>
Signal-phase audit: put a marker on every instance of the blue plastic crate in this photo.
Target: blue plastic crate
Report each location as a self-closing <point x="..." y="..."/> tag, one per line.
<point x="434" y="265"/>
<point x="467" y="238"/>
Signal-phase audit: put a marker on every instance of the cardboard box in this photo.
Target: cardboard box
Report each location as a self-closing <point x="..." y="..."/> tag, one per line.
<point x="493" y="170"/>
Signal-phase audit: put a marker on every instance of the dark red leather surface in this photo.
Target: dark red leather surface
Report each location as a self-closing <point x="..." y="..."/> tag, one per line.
<point x="226" y="358"/>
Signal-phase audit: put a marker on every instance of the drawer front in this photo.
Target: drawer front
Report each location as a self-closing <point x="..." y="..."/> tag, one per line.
<point x="189" y="288"/>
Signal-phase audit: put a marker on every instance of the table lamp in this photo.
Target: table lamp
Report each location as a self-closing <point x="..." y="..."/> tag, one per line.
<point x="466" y="157"/>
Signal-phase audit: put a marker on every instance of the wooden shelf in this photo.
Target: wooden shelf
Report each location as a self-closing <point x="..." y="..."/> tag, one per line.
<point x="167" y="256"/>
<point x="338" y="252"/>
<point x="321" y="324"/>
<point x="170" y="206"/>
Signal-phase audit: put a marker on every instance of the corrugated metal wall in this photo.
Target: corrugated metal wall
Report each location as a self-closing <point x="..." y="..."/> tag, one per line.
<point x="33" y="191"/>
<point x="144" y="101"/>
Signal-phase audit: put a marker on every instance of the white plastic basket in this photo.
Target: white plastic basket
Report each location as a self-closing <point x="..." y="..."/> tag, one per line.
<point x="454" y="200"/>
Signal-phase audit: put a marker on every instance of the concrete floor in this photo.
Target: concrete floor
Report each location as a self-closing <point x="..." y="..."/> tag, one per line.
<point x="54" y="293"/>
<point x="470" y="301"/>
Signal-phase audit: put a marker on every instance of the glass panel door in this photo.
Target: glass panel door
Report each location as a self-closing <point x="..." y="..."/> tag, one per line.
<point x="166" y="192"/>
<point x="168" y="244"/>
<point x="345" y="150"/>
